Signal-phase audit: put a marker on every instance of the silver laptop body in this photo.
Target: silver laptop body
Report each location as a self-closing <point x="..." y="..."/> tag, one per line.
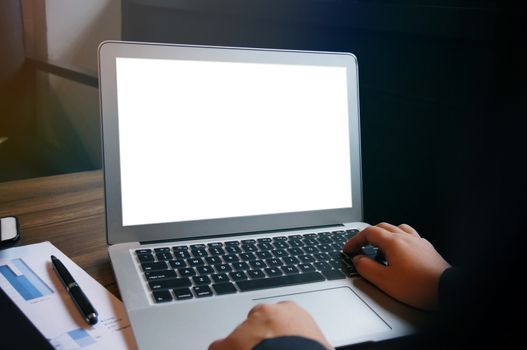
<point x="206" y="146"/>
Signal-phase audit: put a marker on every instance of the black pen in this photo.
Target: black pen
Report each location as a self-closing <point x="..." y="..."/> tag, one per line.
<point x="79" y="298"/>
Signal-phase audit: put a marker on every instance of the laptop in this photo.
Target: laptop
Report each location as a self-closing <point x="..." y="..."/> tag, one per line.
<point x="233" y="178"/>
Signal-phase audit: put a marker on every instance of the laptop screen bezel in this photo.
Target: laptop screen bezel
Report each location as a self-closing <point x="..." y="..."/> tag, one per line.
<point x="117" y="233"/>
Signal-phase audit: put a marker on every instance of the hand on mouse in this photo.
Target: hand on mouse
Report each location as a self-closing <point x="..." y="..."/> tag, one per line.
<point x="268" y="321"/>
<point x="414" y="266"/>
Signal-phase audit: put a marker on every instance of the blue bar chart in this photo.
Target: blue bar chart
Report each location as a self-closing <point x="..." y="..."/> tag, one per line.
<point x="81" y="337"/>
<point x="24" y="280"/>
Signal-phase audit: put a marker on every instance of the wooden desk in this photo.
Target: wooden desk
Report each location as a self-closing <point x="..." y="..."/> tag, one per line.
<point x="68" y="211"/>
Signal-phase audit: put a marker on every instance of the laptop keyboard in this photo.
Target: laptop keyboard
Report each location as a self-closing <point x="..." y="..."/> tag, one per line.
<point x="202" y="270"/>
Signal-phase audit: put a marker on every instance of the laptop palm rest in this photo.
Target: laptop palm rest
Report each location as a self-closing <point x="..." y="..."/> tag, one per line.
<point x="339" y="312"/>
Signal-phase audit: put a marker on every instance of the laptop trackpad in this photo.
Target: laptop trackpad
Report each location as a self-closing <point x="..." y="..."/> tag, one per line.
<point x="339" y="312"/>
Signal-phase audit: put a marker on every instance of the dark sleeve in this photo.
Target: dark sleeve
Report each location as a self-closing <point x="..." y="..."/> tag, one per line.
<point x="451" y="291"/>
<point x="289" y="343"/>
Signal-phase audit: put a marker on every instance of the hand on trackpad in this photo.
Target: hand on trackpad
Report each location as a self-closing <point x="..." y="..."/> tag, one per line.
<point x="339" y="312"/>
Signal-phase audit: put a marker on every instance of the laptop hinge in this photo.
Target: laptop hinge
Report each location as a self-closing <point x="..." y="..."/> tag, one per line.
<point x="241" y="234"/>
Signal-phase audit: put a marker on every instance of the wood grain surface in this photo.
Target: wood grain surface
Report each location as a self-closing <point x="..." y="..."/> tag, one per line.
<point x="68" y="211"/>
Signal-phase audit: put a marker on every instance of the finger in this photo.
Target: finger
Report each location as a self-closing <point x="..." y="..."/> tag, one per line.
<point x="409" y="229"/>
<point x="389" y="227"/>
<point x="255" y="309"/>
<point x="371" y="234"/>
<point x="218" y="344"/>
<point x="369" y="269"/>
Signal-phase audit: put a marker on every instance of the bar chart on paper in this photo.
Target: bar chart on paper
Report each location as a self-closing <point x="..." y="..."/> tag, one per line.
<point x="28" y="279"/>
<point x="75" y="339"/>
<point x="24" y="280"/>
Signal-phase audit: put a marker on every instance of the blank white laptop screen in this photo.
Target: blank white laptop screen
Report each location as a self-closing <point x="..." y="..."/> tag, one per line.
<point x="205" y="140"/>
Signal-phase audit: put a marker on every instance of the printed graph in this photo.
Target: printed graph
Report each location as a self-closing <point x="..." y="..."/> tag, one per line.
<point x="75" y="339"/>
<point x="24" y="280"/>
<point x="81" y="337"/>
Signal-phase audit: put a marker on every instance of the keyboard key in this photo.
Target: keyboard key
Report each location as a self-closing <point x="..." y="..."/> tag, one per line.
<point x="296" y="243"/>
<point x="247" y="256"/>
<point x="164" y="256"/>
<point x="264" y="255"/>
<point x="224" y="288"/>
<point x="337" y="264"/>
<point x="333" y="274"/>
<point x="264" y="240"/>
<point x="232" y="249"/>
<point x="238" y="275"/>
<point x="216" y="251"/>
<point x="169" y="284"/>
<point x="205" y="270"/>
<point x="294" y="238"/>
<point x="257" y="264"/>
<point x="231" y="258"/>
<point x="215" y="244"/>
<point x="143" y="251"/>
<point x="311" y="249"/>
<point x="321" y="256"/>
<point x="264" y="246"/>
<point x="180" y="248"/>
<point x="273" y="262"/>
<point x="183" y="293"/>
<point x="240" y="266"/>
<point x="273" y="271"/>
<point x="306" y="258"/>
<point x="325" y="248"/>
<point x="176" y="264"/>
<point x="322" y="265"/>
<point x="157" y="275"/>
<point x="249" y="248"/>
<point x="199" y="253"/>
<point x="195" y="262"/>
<point x="256" y="274"/>
<point x="232" y="243"/>
<point x="201" y="280"/>
<point x="153" y="266"/>
<point x="162" y="296"/>
<point x="295" y="251"/>
<point x="162" y="250"/>
<point x="280" y="244"/>
<point x="181" y="254"/>
<point x="279" y="239"/>
<point x="220" y="277"/>
<point x="187" y="272"/>
<point x="281" y="281"/>
<point x="351" y="233"/>
<point x="290" y="270"/>
<point x="221" y="268"/>
<point x="325" y="240"/>
<point x="213" y="260"/>
<point x="306" y="267"/>
<point x="349" y="271"/>
<point x="279" y="253"/>
<point x="202" y="291"/>
<point x="310" y="242"/>
<point x="248" y="241"/>
<point x="290" y="260"/>
<point x="145" y="257"/>
<point x="197" y="246"/>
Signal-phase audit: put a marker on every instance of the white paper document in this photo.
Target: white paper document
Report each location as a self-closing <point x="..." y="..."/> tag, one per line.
<point x="27" y="277"/>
